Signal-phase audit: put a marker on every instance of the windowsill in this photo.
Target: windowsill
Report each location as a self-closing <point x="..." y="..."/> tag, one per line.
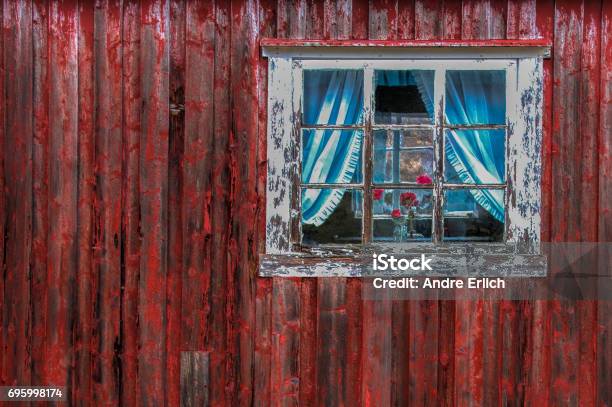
<point x="450" y="260"/>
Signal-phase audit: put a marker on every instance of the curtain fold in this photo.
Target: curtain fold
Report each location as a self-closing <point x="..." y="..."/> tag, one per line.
<point x="473" y="97"/>
<point x="330" y="156"/>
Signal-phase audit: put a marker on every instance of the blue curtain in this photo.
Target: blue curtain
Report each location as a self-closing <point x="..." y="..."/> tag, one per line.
<point x="330" y="156"/>
<point x="477" y="156"/>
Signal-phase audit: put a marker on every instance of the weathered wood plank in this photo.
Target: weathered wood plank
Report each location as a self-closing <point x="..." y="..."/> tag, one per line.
<point x="154" y="84"/>
<point x="40" y="193"/>
<point x="566" y="143"/>
<point x="588" y="190"/>
<point x="332" y="325"/>
<point x="18" y="63"/>
<point x="63" y="180"/>
<point x="85" y="372"/>
<point x="263" y="294"/>
<point x="216" y="329"/>
<point x="196" y="171"/>
<point x="176" y="162"/>
<point x="383" y="19"/>
<point x="194" y="379"/>
<point x="243" y="137"/>
<point x="130" y="240"/>
<point x="428" y="20"/>
<point x="285" y="382"/>
<point x="107" y="208"/>
<point x="604" y="309"/>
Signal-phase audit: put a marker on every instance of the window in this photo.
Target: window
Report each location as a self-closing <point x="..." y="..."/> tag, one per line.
<point x="423" y="153"/>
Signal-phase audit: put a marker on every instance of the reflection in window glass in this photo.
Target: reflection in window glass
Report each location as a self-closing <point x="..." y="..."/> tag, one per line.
<point x="333" y="97"/>
<point x="475" y="156"/>
<point x="402" y="214"/>
<point x="404" y="97"/>
<point x="403" y="156"/>
<point x="474" y="215"/>
<point x="328" y="216"/>
<point x="475" y="97"/>
<point x="332" y="156"/>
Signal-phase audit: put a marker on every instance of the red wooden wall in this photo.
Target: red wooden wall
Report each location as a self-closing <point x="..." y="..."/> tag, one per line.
<point x="131" y="228"/>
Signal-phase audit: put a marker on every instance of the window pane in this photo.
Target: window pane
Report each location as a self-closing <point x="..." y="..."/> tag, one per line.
<point x="402" y="214"/>
<point x="404" y="97"/>
<point x="332" y="156"/>
<point x="475" y="156"/>
<point x="475" y="97"/>
<point x="474" y="215"/>
<point x="329" y="216"/>
<point x="403" y="156"/>
<point x="333" y="97"/>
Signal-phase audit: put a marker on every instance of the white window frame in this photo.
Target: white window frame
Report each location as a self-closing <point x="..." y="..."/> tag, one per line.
<point x="285" y="256"/>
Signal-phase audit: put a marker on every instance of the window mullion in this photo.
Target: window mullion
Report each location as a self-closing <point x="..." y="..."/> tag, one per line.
<point x="438" y="142"/>
<point x="368" y="100"/>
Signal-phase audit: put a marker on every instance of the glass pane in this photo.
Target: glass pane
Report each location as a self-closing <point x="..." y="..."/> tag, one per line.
<point x="404" y="97"/>
<point x="403" y="156"/>
<point x="329" y="215"/>
<point x="332" y="156"/>
<point x="415" y="164"/>
<point x="402" y="214"/>
<point x="475" y="97"/>
<point x="474" y="215"/>
<point x="333" y="97"/>
<point x="475" y="156"/>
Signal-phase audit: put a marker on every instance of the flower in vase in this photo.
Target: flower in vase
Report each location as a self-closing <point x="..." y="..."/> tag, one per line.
<point x="396" y="214"/>
<point x="407" y="199"/>
<point x="377" y="194"/>
<point x="424" y="179"/>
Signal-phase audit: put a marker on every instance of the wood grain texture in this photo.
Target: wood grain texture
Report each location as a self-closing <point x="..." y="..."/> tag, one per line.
<point x="133" y="181"/>
<point x="194" y="379"/>
<point x="63" y="180"/>
<point x="152" y="305"/>
<point x="18" y="63"/>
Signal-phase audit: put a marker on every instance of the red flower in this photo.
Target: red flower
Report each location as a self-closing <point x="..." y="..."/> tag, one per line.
<point x="424" y="179"/>
<point x="396" y="213"/>
<point x="377" y="194"/>
<point x="407" y="198"/>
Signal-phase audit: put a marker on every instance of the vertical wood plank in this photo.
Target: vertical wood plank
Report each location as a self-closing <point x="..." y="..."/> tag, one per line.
<point x="2" y="188"/>
<point x="383" y="19"/>
<point x="84" y="354"/>
<point x="566" y="165"/>
<point x="63" y="180"/>
<point x="536" y="368"/>
<point x="216" y="329"/>
<point x="175" y="194"/>
<point x="130" y="232"/>
<point x="604" y="310"/>
<point x="40" y="194"/>
<point x="452" y="19"/>
<point x="154" y="84"/>
<point x="194" y="378"/>
<point x="16" y="324"/>
<point x="285" y="342"/>
<point x="588" y="160"/>
<point x="428" y="20"/>
<point x="196" y="200"/>
<point x="243" y="137"/>
<point x="263" y="295"/>
<point x="107" y="217"/>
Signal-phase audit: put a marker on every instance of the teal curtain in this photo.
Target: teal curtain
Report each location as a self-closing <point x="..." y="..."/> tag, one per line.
<point x="477" y="156"/>
<point x="332" y="97"/>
